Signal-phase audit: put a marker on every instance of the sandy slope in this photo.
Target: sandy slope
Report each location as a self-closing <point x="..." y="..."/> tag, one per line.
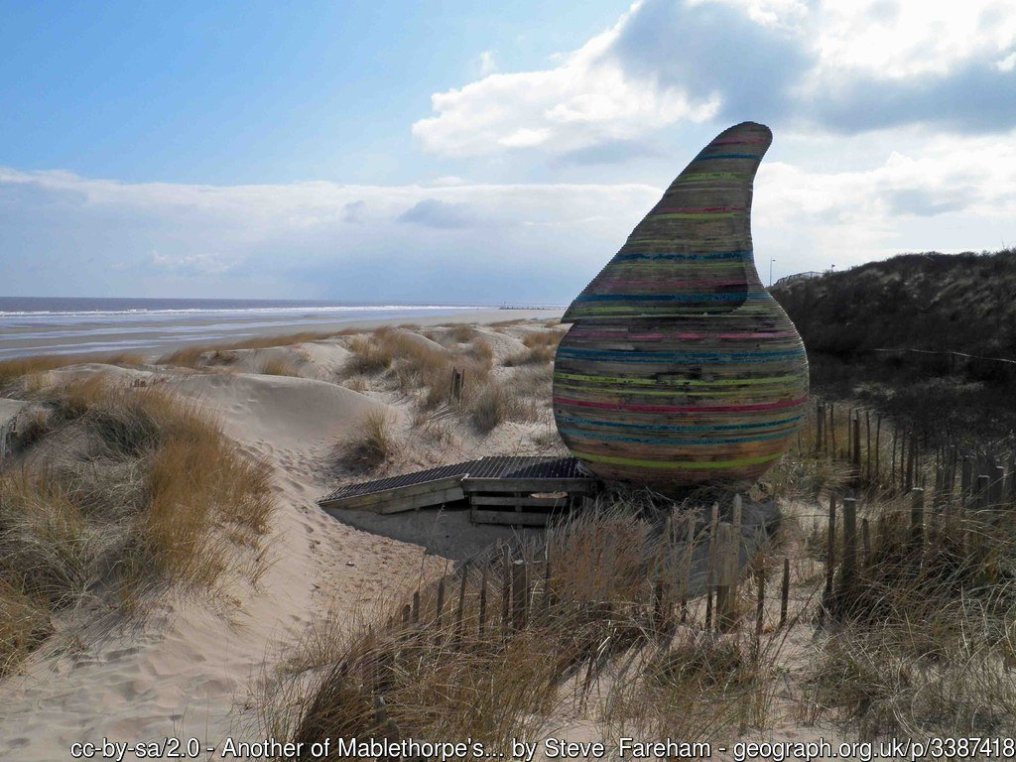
<point x="187" y="671"/>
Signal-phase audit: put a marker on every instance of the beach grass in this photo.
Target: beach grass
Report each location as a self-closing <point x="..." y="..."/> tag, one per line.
<point x="591" y="641"/>
<point x="151" y="496"/>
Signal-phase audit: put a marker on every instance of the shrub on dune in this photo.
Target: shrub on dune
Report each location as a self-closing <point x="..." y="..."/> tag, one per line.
<point x="374" y="444"/>
<point x="494" y="403"/>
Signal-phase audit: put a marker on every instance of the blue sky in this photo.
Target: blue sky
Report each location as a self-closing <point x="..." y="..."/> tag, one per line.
<point x="477" y="152"/>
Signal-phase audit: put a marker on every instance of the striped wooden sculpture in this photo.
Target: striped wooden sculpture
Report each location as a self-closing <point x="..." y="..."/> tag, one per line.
<point x="680" y="368"/>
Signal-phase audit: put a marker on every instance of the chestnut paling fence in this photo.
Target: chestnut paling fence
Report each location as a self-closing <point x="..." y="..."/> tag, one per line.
<point x="618" y="583"/>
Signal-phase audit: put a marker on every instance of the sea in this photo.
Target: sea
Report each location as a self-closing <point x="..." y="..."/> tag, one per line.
<point x="60" y="326"/>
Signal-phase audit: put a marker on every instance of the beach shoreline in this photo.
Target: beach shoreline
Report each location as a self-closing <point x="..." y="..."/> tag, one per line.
<point x="169" y="333"/>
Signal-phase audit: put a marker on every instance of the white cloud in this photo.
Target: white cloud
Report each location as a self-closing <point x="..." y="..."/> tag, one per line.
<point x="901" y="39"/>
<point x="586" y="98"/>
<point x="845" y="65"/>
<point x="915" y="199"/>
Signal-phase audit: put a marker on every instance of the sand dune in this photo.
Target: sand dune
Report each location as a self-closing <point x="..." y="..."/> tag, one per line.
<point x="187" y="671"/>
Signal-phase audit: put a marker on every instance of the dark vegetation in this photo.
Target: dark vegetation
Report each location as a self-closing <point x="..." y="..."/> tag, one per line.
<point x="928" y="338"/>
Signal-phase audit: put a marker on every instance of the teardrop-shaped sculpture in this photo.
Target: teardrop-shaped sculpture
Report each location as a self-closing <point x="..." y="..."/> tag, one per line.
<point x="680" y="368"/>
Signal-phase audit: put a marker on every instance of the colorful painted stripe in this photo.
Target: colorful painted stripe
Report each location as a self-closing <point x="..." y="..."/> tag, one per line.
<point x="690" y="465"/>
<point x="791" y="421"/>
<point x="694" y="358"/>
<point x="733" y="409"/>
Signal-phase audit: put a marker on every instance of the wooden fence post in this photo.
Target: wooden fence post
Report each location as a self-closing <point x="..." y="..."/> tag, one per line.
<point x="440" y="602"/>
<point x="460" y="614"/>
<point x="483" y="601"/>
<point x="830" y="550"/>
<point x="689" y="552"/>
<point x="506" y="593"/>
<point x="416" y="607"/>
<point x="711" y="563"/>
<point x="878" y="435"/>
<point x="760" y="596"/>
<point x="785" y="592"/>
<point x="892" y="470"/>
<point x="966" y="480"/>
<point x="867" y="446"/>
<point x="832" y="429"/>
<point x="725" y="598"/>
<point x="458" y="380"/>
<point x="856" y="447"/>
<point x="997" y="488"/>
<point x="819" y="426"/>
<point x="917" y="521"/>
<point x="848" y="575"/>
<point x="738" y="511"/>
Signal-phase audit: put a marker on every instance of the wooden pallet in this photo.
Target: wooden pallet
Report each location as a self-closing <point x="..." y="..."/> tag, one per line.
<point x="523" y="502"/>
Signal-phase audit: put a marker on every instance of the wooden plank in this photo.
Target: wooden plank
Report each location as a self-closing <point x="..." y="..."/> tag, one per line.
<point x="403" y="498"/>
<point x="542" y="502"/>
<point x="509" y="518"/>
<point x="428" y="500"/>
<point x="488" y="484"/>
<point x="373" y="498"/>
<point x="726" y="563"/>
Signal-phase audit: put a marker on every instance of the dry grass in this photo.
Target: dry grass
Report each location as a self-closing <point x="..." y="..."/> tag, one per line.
<point x="541" y="347"/>
<point x="919" y="641"/>
<point x="480" y="350"/>
<point x="593" y="631"/>
<point x="462" y="333"/>
<point x="374" y="444"/>
<point x="20" y="368"/>
<point x="196" y="356"/>
<point x="494" y="403"/>
<point x="185" y="357"/>
<point x="264" y="342"/>
<point x="368" y="356"/>
<point x="278" y="367"/>
<point x="699" y="688"/>
<point x="161" y="499"/>
<point x="356" y="384"/>
<point x="938" y="668"/>
<point x="24" y="625"/>
<point x="416" y="367"/>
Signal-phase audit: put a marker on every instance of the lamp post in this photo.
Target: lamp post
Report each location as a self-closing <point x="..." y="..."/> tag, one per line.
<point x="771" y="272"/>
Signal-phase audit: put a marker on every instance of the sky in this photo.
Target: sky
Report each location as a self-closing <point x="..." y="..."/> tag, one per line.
<point x="453" y="151"/>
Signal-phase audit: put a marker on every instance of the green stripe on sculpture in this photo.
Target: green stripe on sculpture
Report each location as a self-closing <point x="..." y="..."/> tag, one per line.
<point x="677" y="335"/>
